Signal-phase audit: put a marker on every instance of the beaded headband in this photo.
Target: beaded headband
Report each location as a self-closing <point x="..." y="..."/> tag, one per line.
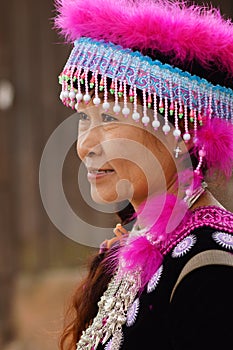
<point x="171" y="91"/>
<point x="133" y="70"/>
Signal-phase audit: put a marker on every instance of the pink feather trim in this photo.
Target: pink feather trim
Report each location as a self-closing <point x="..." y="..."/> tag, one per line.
<point x="140" y="253"/>
<point x="216" y="137"/>
<point x="185" y="33"/>
<point x="162" y="215"/>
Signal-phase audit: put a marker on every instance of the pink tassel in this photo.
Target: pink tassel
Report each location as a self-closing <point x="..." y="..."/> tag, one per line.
<point x="216" y="139"/>
<point x="140" y="253"/>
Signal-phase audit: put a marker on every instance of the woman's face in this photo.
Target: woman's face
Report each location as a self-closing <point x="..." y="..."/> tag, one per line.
<point x="124" y="160"/>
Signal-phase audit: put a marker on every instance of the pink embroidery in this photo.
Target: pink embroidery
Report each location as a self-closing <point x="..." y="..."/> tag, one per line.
<point x="211" y="216"/>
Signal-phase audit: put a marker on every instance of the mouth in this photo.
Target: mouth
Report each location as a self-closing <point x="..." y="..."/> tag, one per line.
<point x="94" y="174"/>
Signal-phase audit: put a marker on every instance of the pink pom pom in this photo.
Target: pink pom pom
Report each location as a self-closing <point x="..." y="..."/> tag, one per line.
<point x="216" y="138"/>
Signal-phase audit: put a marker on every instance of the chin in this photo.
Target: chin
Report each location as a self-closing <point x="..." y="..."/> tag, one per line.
<point x="107" y="196"/>
<point x="103" y="197"/>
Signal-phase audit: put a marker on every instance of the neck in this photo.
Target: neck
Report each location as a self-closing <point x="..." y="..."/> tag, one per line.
<point x="171" y="189"/>
<point x="205" y="200"/>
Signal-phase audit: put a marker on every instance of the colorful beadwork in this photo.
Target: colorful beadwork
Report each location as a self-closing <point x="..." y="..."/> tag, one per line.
<point x="132" y="67"/>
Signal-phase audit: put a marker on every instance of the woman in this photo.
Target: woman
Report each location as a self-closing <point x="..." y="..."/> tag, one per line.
<point x="151" y="83"/>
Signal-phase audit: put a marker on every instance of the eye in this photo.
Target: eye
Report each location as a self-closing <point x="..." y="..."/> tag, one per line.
<point x="83" y="116"/>
<point x="108" y="118"/>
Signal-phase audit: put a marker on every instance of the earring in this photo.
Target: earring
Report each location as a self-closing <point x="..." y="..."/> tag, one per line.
<point x="177" y="151"/>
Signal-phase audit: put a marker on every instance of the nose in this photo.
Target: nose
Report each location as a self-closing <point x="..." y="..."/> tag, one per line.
<point x="89" y="143"/>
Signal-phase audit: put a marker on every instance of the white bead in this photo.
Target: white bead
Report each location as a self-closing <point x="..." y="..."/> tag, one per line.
<point x="116" y="109"/>
<point x="79" y="96"/>
<point x="86" y="98"/>
<point x="62" y="96"/>
<point x="106" y="106"/>
<point x="156" y="124"/>
<point x="166" y="128"/>
<point x="96" y="101"/>
<point x="186" y="137"/>
<point x="76" y="106"/>
<point x="177" y="133"/>
<point x="145" y="120"/>
<point x="136" y="116"/>
<point x="65" y="94"/>
<point x="125" y="111"/>
<point x="72" y="95"/>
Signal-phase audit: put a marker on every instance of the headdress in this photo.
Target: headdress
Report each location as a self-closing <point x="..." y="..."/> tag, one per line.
<point x="179" y="56"/>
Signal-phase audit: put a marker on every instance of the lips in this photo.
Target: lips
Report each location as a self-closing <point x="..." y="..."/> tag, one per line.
<point x="101" y="171"/>
<point x="94" y="174"/>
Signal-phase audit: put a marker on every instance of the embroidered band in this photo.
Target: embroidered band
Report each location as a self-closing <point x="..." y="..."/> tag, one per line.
<point x="132" y="67"/>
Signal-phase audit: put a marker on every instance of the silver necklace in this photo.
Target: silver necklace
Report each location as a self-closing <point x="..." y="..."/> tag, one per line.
<point x="113" y="307"/>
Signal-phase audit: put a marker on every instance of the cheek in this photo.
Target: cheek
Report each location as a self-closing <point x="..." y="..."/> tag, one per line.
<point x="130" y="171"/>
<point x="146" y="174"/>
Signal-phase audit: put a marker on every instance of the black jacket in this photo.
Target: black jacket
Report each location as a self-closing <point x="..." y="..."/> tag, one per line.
<point x="199" y="317"/>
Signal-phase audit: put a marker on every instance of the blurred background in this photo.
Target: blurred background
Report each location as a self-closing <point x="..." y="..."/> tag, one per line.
<point x="39" y="266"/>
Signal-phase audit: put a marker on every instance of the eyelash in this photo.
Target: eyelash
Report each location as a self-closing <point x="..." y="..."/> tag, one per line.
<point x="108" y="118"/>
<point x="105" y="117"/>
<point x="82" y="116"/>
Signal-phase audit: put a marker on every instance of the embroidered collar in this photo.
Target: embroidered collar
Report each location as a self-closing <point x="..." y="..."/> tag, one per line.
<point x="144" y="250"/>
<point x="208" y="216"/>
